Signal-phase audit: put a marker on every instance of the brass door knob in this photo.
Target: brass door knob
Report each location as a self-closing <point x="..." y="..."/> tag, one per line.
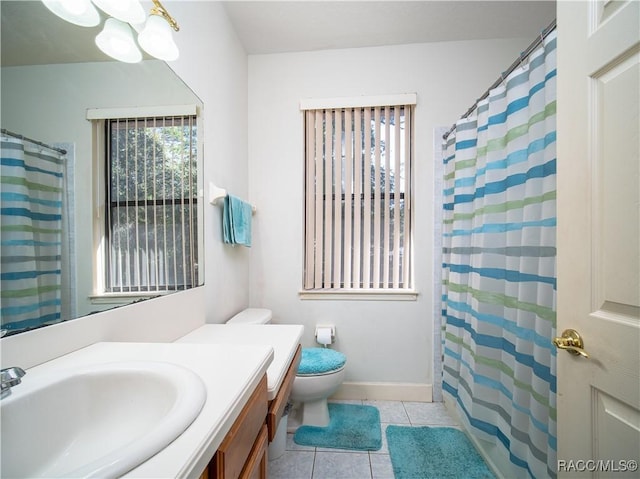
<point x="571" y="342"/>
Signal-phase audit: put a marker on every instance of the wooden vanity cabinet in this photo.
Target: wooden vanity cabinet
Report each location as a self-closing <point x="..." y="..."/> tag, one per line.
<point x="256" y="465"/>
<point x="277" y="405"/>
<point x="243" y="452"/>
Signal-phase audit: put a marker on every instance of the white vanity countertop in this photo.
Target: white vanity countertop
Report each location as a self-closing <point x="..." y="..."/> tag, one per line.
<point x="283" y="338"/>
<point x="230" y="374"/>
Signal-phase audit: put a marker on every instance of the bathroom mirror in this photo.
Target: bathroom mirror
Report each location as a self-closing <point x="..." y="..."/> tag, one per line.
<point x="52" y="73"/>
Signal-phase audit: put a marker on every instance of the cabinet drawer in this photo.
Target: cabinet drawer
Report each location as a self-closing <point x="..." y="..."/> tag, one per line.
<point x="232" y="454"/>
<point x="277" y="405"/>
<point x="256" y="466"/>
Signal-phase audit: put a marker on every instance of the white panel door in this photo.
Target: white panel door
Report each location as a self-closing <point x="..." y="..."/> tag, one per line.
<point x="599" y="237"/>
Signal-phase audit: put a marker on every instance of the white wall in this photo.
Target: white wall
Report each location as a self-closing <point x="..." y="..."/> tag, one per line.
<point x="385" y="341"/>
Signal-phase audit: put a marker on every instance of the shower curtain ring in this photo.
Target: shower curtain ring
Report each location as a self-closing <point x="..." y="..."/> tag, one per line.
<point x="522" y="57"/>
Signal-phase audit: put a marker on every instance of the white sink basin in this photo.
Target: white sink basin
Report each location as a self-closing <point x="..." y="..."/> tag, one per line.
<point x="96" y="421"/>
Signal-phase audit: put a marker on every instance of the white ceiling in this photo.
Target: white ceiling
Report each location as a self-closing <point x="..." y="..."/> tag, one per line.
<point x="33" y="35"/>
<point x="285" y="26"/>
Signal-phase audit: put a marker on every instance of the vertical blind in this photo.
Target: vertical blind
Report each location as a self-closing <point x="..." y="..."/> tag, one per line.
<point x="358" y="197"/>
<point x="152" y="204"/>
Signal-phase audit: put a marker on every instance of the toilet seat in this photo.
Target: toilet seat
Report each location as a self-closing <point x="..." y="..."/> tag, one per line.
<point x="320" y="361"/>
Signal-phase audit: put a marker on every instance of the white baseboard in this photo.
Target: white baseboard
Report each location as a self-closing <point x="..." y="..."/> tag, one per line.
<point x="385" y="391"/>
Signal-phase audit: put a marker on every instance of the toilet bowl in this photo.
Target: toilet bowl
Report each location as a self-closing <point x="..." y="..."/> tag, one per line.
<point x="320" y="374"/>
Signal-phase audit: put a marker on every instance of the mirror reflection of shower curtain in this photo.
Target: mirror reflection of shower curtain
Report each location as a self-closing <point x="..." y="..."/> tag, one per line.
<point x="30" y="234"/>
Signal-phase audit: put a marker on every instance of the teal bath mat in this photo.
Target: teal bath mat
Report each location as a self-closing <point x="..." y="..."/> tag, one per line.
<point x="434" y="453"/>
<point x="350" y="427"/>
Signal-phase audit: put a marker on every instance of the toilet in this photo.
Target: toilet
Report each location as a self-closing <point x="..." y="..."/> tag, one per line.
<point x="320" y="374"/>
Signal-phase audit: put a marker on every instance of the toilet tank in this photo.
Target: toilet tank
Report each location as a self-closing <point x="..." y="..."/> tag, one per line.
<point x="252" y="316"/>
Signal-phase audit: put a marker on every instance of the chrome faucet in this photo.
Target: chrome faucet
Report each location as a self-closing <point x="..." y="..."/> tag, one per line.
<point x="10" y="377"/>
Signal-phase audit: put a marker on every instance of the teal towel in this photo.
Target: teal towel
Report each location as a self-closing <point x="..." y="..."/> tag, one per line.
<point x="236" y="221"/>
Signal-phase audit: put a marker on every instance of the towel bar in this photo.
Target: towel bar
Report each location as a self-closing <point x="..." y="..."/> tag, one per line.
<point x="215" y="193"/>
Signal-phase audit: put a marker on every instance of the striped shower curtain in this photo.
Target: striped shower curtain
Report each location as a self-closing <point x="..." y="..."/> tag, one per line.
<point x="499" y="277"/>
<point x="30" y="234"/>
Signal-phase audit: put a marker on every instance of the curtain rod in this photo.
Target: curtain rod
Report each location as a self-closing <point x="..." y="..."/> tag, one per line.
<point x="36" y="142"/>
<point x="511" y="68"/>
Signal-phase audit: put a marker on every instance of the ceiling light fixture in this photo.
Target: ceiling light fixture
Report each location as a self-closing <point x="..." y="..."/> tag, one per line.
<point x="156" y="38"/>
<point x="78" y="12"/>
<point x="116" y="38"/>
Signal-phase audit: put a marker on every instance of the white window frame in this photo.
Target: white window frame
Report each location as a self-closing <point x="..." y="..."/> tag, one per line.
<point x="313" y="287"/>
<point x="98" y="118"/>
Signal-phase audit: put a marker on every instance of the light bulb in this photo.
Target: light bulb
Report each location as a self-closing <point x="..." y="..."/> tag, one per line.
<point x="157" y="39"/>
<point x="75" y="7"/>
<point x="116" y="40"/>
<point x="78" y="12"/>
<point x="129" y="11"/>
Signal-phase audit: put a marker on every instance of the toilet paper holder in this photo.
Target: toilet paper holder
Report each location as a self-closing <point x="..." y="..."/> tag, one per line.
<point x="324" y="327"/>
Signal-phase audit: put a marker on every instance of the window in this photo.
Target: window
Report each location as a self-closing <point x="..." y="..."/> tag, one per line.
<point x="358" y="198"/>
<point x="150" y="232"/>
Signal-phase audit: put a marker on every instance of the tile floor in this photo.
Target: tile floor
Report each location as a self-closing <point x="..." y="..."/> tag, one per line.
<point x="305" y="462"/>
